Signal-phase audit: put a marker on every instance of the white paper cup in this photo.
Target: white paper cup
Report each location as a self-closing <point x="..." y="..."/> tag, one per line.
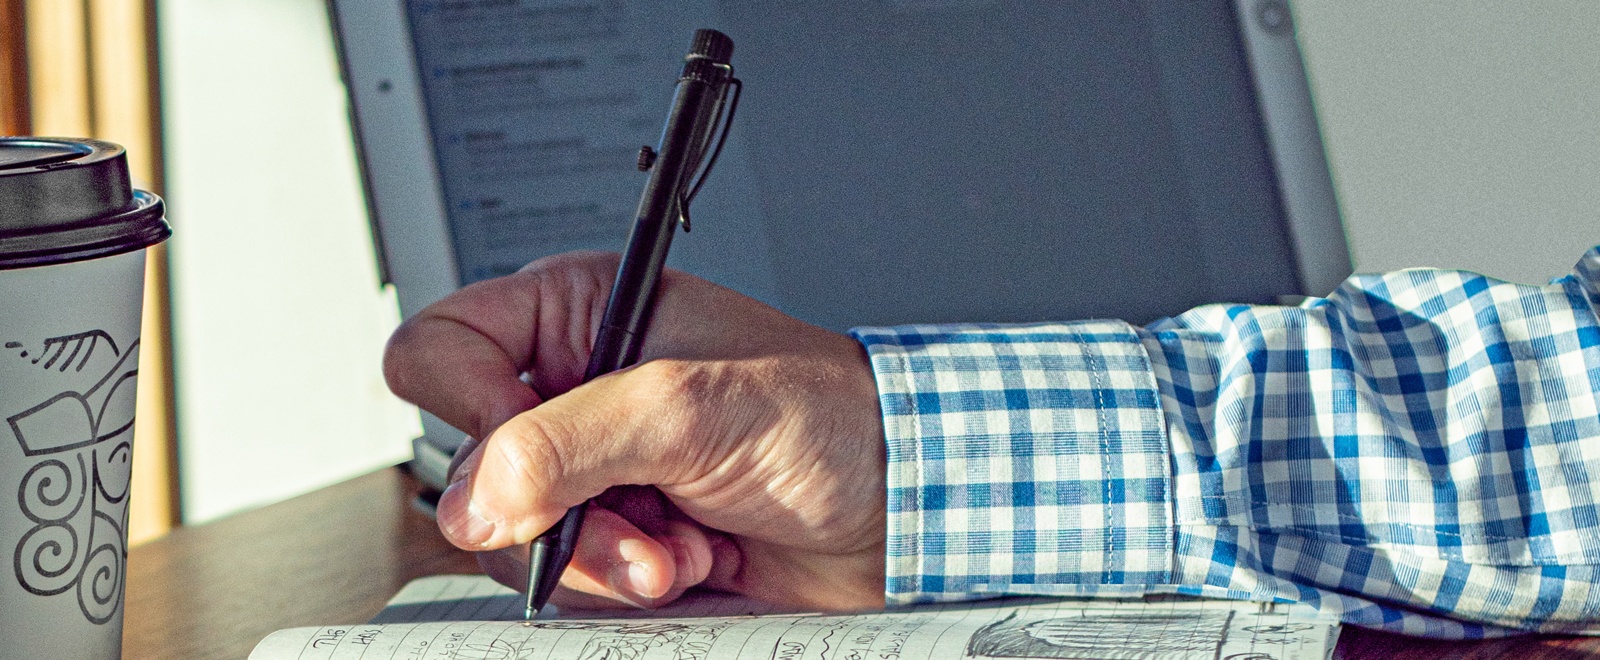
<point x="72" y="239"/>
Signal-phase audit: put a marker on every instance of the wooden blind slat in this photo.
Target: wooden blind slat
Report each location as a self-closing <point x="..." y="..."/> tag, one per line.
<point x="14" y="105"/>
<point x="58" y="63"/>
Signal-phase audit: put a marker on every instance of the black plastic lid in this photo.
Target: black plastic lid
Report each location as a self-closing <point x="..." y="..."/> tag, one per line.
<point x="68" y="199"/>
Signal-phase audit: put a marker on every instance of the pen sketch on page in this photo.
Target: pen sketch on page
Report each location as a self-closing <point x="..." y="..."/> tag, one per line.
<point x="725" y="629"/>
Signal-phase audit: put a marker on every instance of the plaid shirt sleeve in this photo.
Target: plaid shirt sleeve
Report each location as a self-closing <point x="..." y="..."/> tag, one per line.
<point x="1412" y="453"/>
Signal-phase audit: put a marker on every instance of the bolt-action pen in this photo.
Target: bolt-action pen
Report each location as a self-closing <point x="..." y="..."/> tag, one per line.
<point x="677" y="166"/>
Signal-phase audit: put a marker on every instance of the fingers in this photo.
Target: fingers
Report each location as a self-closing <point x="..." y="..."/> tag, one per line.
<point x="619" y="561"/>
<point x="692" y="553"/>
<point x="480" y="390"/>
<point x="615" y="559"/>
<point x="468" y="445"/>
<point x="623" y="428"/>
<point x="461" y="357"/>
<point x="617" y="564"/>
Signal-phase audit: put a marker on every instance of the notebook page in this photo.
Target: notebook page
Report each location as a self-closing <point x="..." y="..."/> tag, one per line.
<point x="479" y="598"/>
<point x="454" y="598"/>
<point x="1176" y="630"/>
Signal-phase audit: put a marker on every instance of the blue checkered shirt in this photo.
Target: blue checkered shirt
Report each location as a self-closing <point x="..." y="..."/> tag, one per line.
<point x="1418" y="452"/>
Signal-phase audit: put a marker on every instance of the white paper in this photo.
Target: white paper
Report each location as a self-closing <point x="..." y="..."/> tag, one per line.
<point x="477" y="598"/>
<point x="1011" y="628"/>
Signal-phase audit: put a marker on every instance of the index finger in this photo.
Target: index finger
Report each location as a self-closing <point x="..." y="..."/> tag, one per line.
<point x="462" y="357"/>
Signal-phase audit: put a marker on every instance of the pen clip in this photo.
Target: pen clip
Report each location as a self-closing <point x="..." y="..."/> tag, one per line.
<point x="723" y="122"/>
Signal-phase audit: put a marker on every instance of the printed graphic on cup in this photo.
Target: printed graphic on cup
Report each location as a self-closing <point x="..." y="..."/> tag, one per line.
<point x="73" y="234"/>
<point x="78" y="447"/>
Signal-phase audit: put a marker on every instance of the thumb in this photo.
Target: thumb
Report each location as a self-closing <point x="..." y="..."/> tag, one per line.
<point x="618" y="429"/>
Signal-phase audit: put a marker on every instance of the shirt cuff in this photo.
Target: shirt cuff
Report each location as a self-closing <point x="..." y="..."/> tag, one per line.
<point x="1021" y="459"/>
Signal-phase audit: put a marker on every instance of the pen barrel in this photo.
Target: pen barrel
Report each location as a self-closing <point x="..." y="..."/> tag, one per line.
<point x="683" y="141"/>
<point x="620" y="339"/>
<point x="614" y="348"/>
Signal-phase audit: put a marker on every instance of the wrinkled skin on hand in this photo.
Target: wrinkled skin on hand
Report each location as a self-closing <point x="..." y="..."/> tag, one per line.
<point x="743" y="453"/>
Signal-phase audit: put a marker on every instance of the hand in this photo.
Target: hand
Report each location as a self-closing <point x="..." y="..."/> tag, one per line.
<point x="744" y="452"/>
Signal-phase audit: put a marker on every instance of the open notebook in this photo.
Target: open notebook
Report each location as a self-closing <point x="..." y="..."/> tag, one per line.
<point x="470" y="617"/>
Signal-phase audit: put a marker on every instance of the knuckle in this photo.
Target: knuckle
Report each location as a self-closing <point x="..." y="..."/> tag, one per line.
<point x="665" y="376"/>
<point x="396" y="358"/>
<point x="413" y="357"/>
<point x="687" y="405"/>
<point x="575" y="260"/>
<point x="529" y="453"/>
<point x="678" y="390"/>
<point x="583" y="274"/>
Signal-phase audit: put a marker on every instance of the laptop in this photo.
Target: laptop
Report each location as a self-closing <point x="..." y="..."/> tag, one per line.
<point x="892" y="161"/>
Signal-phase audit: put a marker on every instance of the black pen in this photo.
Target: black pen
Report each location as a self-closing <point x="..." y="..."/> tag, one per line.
<point x="678" y="166"/>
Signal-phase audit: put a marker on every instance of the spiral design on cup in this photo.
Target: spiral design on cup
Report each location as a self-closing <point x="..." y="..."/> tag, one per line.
<point x="100" y="584"/>
<point x="48" y="489"/>
<point x="46" y="561"/>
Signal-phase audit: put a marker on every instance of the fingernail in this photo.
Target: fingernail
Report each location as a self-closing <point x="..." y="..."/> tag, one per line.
<point x="631" y="580"/>
<point x="639" y="578"/>
<point x="458" y="519"/>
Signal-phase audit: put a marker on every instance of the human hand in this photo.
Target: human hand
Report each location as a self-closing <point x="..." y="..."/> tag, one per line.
<point x="744" y="452"/>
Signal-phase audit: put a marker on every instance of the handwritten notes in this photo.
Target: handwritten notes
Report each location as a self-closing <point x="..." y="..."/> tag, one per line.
<point x="731" y="629"/>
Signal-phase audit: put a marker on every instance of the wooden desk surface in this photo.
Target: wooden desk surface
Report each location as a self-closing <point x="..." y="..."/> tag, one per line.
<point x="336" y="555"/>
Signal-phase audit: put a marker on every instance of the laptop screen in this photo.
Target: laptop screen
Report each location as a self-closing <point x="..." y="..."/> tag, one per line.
<point x="892" y="161"/>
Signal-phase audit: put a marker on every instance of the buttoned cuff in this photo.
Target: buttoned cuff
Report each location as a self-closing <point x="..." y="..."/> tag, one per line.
<point x="1021" y="459"/>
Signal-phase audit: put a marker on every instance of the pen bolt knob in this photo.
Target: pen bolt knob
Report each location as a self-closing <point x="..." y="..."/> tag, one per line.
<point x="647" y="157"/>
<point x="711" y="45"/>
